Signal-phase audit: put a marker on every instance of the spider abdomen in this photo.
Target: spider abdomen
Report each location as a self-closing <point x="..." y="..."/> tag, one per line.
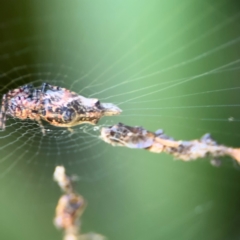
<point x="58" y="106"/>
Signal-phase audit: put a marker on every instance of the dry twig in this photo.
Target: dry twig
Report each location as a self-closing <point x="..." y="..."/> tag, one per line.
<point x="138" y="137"/>
<point x="70" y="208"/>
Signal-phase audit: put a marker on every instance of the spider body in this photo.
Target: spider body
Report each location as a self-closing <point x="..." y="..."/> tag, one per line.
<point x="58" y="106"/>
<point x="64" y="108"/>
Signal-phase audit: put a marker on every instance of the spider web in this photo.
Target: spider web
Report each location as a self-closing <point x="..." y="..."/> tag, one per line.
<point x="166" y="65"/>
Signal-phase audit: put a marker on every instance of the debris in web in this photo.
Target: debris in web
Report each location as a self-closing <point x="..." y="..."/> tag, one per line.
<point x="70" y="208"/>
<point x="158" y="142"/>
<point x="58" y="106"/>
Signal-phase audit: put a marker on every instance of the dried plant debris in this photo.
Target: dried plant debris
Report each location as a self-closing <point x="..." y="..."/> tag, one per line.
<point x="91" y="236"/>
<point x="138" y="137"/>
<point x="56" y="105"/>
<point x="62" y="179"/>
<point x="70" y="208"/>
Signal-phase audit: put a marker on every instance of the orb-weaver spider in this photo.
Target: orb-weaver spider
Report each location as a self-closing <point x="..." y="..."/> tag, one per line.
<point x="56" y="105"/>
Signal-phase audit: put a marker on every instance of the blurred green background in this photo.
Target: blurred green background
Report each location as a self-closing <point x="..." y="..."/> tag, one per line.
<point x="132" y="52"/>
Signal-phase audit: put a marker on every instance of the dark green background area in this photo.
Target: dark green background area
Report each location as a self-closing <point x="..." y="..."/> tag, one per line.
<point x="131" y="194"/>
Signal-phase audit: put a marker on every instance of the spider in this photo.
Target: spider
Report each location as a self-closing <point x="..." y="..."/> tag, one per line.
<point x="56" y="105"/>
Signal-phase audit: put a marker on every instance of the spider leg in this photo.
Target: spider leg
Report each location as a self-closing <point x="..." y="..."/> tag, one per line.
<point x="42" y="127"/>
<point x="51" y="87"/>
<point x="3" y="112"/>
<point x="71" y="131"/>
<point x="44" y="86"/>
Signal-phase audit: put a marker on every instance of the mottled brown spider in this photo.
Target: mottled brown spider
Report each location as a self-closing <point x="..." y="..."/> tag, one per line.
<point x="58" y="106"/>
